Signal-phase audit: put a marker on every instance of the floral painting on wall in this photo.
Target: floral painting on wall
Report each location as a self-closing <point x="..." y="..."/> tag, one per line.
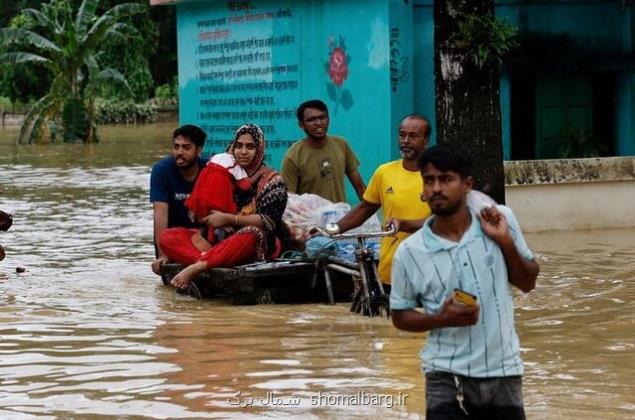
<point x="337" y="68"/>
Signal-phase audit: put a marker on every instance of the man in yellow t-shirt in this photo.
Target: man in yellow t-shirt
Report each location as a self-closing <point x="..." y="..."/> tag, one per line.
<point x="397" y="188"/>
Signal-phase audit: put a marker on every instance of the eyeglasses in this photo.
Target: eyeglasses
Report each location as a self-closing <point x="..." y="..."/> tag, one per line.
<point x="317" y="119"/>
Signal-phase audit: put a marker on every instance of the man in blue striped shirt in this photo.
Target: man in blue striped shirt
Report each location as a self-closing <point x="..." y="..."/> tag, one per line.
<point x="471" y="358"/>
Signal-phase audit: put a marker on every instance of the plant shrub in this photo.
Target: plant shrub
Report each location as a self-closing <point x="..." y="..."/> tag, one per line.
<point x="124" y="112"/>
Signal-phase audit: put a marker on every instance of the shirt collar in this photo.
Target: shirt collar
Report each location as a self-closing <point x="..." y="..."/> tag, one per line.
<point x="436" y="243"/>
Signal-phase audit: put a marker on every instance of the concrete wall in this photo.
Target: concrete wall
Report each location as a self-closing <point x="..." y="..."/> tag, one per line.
<point x="572" y="194"/>
<point x="11" y="119"/>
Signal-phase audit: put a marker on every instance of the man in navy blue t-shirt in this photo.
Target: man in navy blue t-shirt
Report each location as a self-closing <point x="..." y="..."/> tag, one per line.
<point x="172" y="181"/>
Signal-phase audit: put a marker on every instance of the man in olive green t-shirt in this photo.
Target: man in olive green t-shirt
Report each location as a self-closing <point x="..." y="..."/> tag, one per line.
<point x="317" y="164"/>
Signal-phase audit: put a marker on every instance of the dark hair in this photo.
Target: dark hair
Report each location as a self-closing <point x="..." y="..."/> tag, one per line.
<point x="448" y="157"/>
<point x="428" y="129"/>
<point x="314" y="104"/>
<point x="192" y="133"/>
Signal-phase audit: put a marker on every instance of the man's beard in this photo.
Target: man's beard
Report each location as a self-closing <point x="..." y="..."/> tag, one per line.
<point x="446" y="211"/>
<point x="408" y="154"/>
<point x="188" y="164"/>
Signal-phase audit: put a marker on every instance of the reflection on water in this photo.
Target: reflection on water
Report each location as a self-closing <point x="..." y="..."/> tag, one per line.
<point x="87" y="331"/>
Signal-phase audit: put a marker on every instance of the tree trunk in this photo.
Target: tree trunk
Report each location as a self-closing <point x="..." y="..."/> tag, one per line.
<point x="468" y="98"/>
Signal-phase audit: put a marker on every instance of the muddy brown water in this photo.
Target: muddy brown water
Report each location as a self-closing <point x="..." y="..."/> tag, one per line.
<point x="89" y="332"/>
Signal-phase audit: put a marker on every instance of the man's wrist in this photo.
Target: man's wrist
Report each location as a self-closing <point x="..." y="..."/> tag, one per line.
<point x="505" y="241"/>
<point x="332" y="228"/>
<point x="439" y="321"/>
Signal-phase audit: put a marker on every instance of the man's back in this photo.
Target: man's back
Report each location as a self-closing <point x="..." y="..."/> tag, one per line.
<point x="320" y="171"/>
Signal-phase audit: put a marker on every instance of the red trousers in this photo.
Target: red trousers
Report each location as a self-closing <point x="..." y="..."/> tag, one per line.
<point x="238" y="249"/>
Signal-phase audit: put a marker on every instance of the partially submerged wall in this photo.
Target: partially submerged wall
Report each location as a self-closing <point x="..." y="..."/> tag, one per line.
<point x="572" y="193"/>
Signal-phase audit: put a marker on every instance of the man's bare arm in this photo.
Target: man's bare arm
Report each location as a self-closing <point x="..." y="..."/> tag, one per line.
<point x="521" y="273"/>
<point x="450" y="315"/>
<point x="410" y="226"/>
<point x="160" y="210"/>
<point x="358" y="215"/>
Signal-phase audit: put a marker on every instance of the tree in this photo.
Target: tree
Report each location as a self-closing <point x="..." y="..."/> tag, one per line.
<point x="469" y="44"/>
<point x="68" y="44"/>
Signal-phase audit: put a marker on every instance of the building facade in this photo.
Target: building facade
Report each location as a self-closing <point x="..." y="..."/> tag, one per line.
<point x="566" y="92"/>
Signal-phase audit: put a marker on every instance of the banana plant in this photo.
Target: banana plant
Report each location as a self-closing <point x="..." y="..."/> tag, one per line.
<point x="68" y="44"/>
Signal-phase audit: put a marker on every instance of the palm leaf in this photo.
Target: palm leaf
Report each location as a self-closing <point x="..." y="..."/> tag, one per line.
<point x="92" y="64"/>
<point x="85" y="14"/>
<point x="23" y="57"/>
<point x="42" y="20"/>
<point x="37" y="129"/>
<point x="34" y="114"/>
<point x="21" y="36"/>
<point x="108" y="19"/>
<point x="110" y="74"/>
<point x="116" y="33"/>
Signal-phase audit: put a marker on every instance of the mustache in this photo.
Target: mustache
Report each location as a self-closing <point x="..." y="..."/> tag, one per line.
<point x="438" y="195"/>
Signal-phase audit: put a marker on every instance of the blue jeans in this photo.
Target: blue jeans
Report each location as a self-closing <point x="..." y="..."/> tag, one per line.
<point x="450" y="396"/>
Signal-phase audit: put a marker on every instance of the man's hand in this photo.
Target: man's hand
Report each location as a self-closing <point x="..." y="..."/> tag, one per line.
<point x="217" y="219"/>
<point x="494" y="224"/>
<point x="156" y="265"/>
<point x="390" y="223"/>
<point x="453" y="315"/>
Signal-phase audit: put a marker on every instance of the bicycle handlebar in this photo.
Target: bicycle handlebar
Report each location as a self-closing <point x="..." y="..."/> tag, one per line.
<point x="361" y="235"/>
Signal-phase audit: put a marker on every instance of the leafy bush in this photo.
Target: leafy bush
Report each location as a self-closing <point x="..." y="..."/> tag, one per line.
<point x="168" y="104"/>
<point x="165" y="91"/>
<point x="124" y="112"/>
<point x="5" y="104"/>
<point x="484" y="38"/>
<point x="166" y="96"/>
<point x="576" y="142"/>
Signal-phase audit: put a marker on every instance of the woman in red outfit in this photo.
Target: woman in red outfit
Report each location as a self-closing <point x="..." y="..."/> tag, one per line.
<point x="256" y="226"/>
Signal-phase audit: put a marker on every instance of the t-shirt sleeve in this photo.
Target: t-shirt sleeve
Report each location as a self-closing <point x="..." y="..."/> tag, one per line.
<point x="402" y="294"/>
<point x="352" y="163"/>
<point x="373" y="190"/>
<point x="517" y="233"/>
<point x="159" y="187"/>
<point x="289" y="173"/>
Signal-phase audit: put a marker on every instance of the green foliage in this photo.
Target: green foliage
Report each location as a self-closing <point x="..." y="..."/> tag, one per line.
<point x="5" y="104"/>
<point x="166" y="96"/>
<point x="68" y="43"/>
<point x="130" y="54"/>
<point x="75" y="124"/>
<point x="23" y="84"/>
<point x="166" y="91"/>
<point x="146" y="55"/>
<point x="124" y="112"/>
<point x="484" y="38"/>
<point x="578" y="143"/>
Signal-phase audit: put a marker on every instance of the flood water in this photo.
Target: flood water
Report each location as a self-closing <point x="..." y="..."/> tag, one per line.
<point x="89" y="332"/>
